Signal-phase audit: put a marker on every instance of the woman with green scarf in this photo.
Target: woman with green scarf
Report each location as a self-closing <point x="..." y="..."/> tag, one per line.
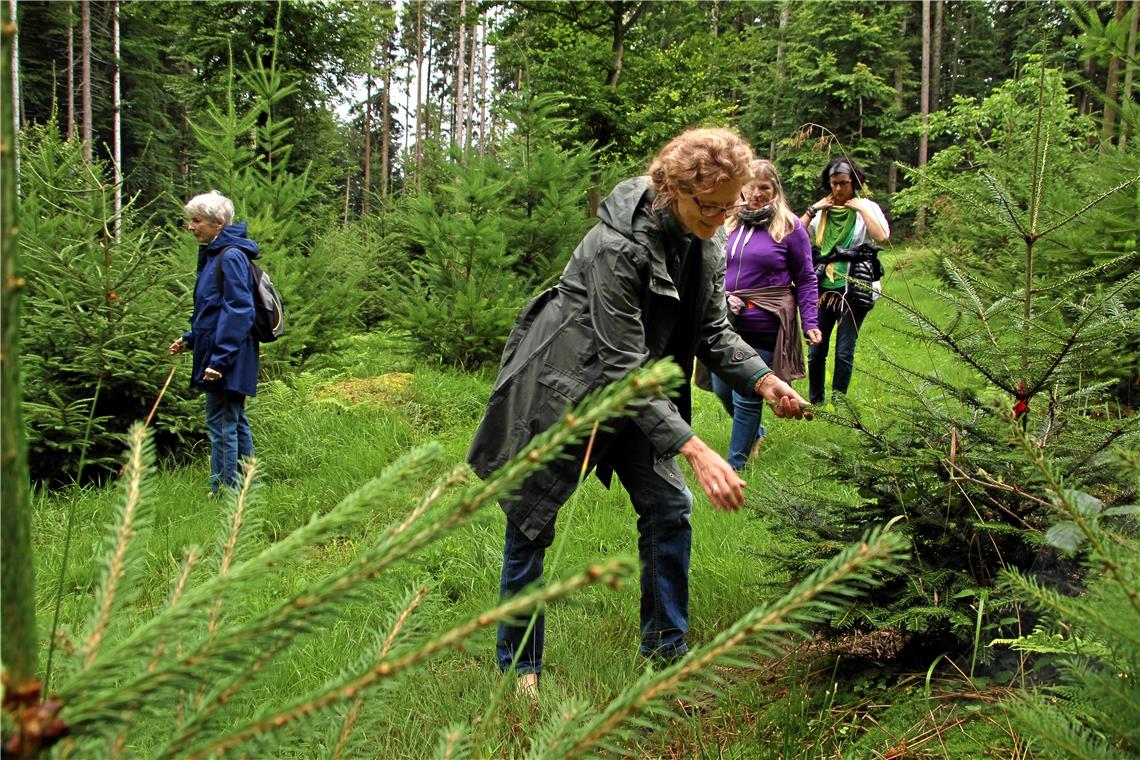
<point x="840" y="219"/>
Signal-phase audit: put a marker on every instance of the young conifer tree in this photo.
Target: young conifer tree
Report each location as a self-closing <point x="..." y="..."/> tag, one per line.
<point x="939" y="454"/>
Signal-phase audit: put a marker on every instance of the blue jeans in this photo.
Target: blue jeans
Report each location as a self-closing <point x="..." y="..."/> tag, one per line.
<point x="665" y="538"/>
<point x="848" y="321"/>
<point x="745" y="412"/>
<point x="230" y="437"/>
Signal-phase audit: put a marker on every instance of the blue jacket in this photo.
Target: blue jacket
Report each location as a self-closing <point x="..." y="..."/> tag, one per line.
<point x="219" y="332"/>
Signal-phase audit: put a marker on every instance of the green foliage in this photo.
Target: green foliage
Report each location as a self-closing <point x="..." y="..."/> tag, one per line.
<point x="994" y="140"/>
<point x="1094" y="638"/>
<point x="938" y="457"/>
<point x="98" y="314"/>
<point x="469" y="253"/>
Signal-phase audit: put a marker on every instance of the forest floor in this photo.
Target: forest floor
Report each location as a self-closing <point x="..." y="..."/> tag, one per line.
<point x="324" y="432"/>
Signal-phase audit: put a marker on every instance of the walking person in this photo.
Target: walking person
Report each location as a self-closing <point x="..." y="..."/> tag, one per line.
<point x="769" y="278"/>
<point x="841" y="219"/>
<point x="645" y="283"/>
<point x="225" y="353"/>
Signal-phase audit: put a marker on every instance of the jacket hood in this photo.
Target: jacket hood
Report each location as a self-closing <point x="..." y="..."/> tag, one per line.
<point x="620" y="207"/>
<point x="233" y="236"/>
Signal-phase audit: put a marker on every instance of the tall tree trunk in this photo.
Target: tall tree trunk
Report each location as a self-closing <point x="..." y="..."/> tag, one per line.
<point x="70" y="70"/>
<point x="620" y="26"/>
<point x="1084" y="102"/>
<point x="1111" y="88"/>
<point x="955" y="49"/>
<point x="484" y="128"/>
<point x="184" y="158"/>
<point x="893" y="169"/>
<point x="924" y="101"/>
<point x="936" y="63"/>
<point x="459" y="77"/>
<point x="367" y="142"/>
<point x="1130" y="57"/>
<point x="781" y="52"/>
<point x="347" y="188"/>
<point x="117" y="121"/>
<point x="421" y="127"/>
<point x="471" y="72"/>
<point x="385" y="118"/>
<point x="85" y="74"/>
<point x="18" y="649"/>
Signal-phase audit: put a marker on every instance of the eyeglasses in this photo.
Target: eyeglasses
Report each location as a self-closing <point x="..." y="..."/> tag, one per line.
<point x="711" y="210"/>
<point x="840" y="182"/>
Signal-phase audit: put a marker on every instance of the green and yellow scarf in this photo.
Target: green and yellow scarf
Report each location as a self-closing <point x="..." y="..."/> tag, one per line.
<point x="836" y="227"/>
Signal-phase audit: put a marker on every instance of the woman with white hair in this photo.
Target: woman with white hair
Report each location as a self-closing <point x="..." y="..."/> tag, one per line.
<point x="225" y="353"/>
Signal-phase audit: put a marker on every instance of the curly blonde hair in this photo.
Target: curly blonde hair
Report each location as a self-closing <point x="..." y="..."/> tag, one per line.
<point x="698" y="160"/>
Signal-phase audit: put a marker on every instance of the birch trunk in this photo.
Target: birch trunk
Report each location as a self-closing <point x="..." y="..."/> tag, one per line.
<point x="459" y="77"/>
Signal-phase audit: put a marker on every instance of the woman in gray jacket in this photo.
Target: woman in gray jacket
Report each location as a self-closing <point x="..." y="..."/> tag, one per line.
<point x="646" y="282"/>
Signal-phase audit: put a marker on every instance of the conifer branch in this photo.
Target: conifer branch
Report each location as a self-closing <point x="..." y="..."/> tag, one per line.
<point x="389" y="641"/>
<point x="1077" y="214"/>
<point x="610" y="572"/>
<point x="761" y="629"/>
<point x="229" y="544"/>
<point x="140" y="452"/>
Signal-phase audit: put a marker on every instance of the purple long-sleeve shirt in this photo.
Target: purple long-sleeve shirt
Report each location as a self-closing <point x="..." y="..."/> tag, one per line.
<point x="757" y="261"/>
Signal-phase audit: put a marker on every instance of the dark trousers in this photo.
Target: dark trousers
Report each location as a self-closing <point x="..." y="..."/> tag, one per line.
<point x="845" y="321"/>
<point x="664" y="543"/>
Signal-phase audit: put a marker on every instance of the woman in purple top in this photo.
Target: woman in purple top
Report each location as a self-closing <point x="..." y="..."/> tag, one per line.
<point x="768" y="278"/>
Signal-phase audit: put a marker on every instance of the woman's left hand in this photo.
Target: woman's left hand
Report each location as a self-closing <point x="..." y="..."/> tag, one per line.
<point x="814" y="337"/>
<point x="785" y="402"/>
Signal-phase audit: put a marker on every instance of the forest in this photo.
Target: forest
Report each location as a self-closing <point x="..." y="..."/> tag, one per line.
<point x="943" y="563"/>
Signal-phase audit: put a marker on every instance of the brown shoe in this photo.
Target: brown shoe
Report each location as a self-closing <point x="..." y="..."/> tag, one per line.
<point x="756" y="448"/>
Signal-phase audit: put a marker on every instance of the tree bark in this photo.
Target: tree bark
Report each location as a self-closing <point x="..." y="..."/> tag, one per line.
<point x="421" y="127"/>
<point x="924" y="101"/>
<point x="367" y="142"/>
<point x="459" y="76"/>
<point x="484" y="128"/>
<point x="70" y="71"/>
<point x="1126" y="91"/>
<point x="936" y="63"/>
<point x="85" y="75"/>
<point x="781" y="52"/>
<point x="385" y="117"/>
<point x="471" y="72"/>
<point x="900" y="91"/>
<point x="117" y="121"/>
<point x="620" y="26"/>
<point x="1111" y="88"/>
<point x="18" y="648"/>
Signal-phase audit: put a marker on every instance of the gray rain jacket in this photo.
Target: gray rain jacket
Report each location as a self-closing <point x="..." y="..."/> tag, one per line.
<point x="614" y="309"/>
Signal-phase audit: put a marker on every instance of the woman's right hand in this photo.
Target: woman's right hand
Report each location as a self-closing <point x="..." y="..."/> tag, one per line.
<point x="718" y="480"/>
<point x="177" y="346"/>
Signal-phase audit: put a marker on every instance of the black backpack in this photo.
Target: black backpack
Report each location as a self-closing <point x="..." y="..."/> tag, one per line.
<point x="268" y="308"/>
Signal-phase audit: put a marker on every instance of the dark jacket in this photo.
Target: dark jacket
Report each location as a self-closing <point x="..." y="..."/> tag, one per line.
<point x="219" y="329"/>
<point x="614" y="309"/>
<point x="862" y="264"/>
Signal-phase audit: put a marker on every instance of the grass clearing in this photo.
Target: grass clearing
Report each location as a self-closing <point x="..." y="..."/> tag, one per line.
<point x="323" y="433"/>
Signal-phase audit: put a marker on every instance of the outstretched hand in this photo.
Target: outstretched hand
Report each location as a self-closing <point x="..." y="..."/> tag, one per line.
<point x="785" y="402"/>
<point x="717" y="479"/>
